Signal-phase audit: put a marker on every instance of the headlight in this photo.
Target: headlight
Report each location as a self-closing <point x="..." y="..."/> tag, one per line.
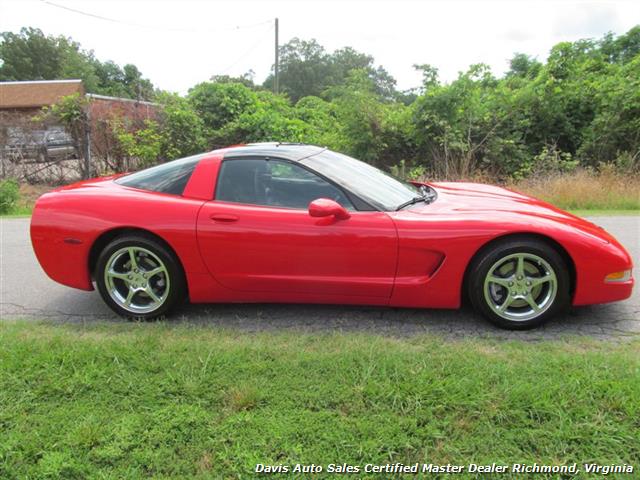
<point x="617" y="277"/>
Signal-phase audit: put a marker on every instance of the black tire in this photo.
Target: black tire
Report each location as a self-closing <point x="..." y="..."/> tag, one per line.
<point x="172" y="277"/>
<point x="489" y="299"/>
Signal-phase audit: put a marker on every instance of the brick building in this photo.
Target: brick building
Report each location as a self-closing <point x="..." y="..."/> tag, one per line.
<point x="33" y="148"/>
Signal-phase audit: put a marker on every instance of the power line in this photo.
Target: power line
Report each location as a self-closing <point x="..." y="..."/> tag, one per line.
<point x="153" y="27"/>
<point x="246" y="53"/>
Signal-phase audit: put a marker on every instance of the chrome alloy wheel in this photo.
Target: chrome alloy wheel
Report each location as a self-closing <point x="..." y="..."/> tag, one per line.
<point x="137" y="280"/>
<point x="520" y="286"/>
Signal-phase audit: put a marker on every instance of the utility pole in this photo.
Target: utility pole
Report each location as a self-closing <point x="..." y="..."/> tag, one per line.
<point x="276" y="79"/>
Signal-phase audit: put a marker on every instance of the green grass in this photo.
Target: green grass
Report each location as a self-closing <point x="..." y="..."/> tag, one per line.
<point x="154" y="400"/>
<point x="18" y="211"/>
<point x="605" y="213"/>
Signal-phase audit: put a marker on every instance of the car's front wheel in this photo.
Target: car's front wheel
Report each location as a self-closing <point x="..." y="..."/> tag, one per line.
<point x="139" y="277"/>
<point x="519" y="283"/>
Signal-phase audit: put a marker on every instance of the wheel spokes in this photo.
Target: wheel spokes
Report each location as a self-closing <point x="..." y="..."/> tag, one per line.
<point x="132" y="270"/>
<point x="156" y="271"/>
<point x="132" y="258"/>
<point x="532" y="303"/>
<point x="507" y="302"/>
<point x="535" y="281"/>
<point x="520" y="286"/>
<point x="119" y="275"/>
<point x="520" y="267"/>
<point x="503" y="282"/>
<point x="149" y="291"/>
<point x="130" y="295"/>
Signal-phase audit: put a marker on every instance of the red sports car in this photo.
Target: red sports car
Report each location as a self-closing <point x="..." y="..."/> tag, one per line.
<point x="299" y="223"/>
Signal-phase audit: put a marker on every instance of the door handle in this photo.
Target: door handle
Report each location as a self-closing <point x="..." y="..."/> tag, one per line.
<point x="221" y="217"/>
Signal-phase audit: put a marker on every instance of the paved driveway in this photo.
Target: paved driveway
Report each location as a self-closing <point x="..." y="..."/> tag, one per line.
<point x="26" y="292"/>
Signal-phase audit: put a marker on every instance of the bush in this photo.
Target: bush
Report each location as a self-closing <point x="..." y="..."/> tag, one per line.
<point x="9" y="195"/>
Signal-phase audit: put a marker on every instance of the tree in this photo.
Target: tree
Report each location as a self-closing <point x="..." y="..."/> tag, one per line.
<point x="429" y="76"/>
<point x="359" y="111"/>
<point x="32" y="55"/>
<point x="181" y="127"/>
<point x="613" y="134"/>
<point x="579" y="106"/>
<point x="343" y="61"/>
<point x="324" y="126"/>
<point x="245" y="79"/>
<point x="220" y="103"/>
<point x="622" y="49"/>
<point x="467" y="124"/>
<point x="306" y="69"/>
<point x="177" y="132"/>
<point x="522" y="65"/>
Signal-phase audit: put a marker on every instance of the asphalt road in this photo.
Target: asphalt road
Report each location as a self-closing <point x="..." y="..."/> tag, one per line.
<point x="26" y="292"/>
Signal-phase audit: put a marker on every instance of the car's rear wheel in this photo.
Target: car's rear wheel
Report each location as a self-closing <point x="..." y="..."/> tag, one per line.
<point x="519" y="283"/>
<point x="139" y="277"/>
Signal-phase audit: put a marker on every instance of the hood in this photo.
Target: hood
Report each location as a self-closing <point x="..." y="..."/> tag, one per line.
<point x="479" y="200"/>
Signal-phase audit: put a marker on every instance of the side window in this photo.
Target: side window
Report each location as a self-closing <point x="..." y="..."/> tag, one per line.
<point x="170" y="177"/>
<point x="274" y="183"/>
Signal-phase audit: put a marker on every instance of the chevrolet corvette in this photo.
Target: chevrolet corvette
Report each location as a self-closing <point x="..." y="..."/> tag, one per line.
<point x="296" y="223"/>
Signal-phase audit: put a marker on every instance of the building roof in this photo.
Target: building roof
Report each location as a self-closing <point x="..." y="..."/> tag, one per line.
<point x="94" y="96"/>
<point x="36" y="93"/>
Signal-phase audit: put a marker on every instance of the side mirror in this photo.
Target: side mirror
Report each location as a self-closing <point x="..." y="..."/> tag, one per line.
<point x="323" y="207"/>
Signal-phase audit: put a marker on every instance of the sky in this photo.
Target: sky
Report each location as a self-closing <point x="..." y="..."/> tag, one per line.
<point x="177" y="44"/>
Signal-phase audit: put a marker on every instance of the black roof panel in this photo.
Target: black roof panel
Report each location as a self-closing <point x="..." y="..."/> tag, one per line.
<point x="287" y="151"/>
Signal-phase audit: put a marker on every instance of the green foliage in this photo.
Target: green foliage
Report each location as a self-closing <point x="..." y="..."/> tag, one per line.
<point x="126" y="82"/>
<point x="306" y="69"/>
<point x="70" y="111"/>
<point x="524" y="66"/>
<point x="245" y="79"/>
<point x="324" y="126"/>
<point x="182" y="129"/>
<point x="221" y="103"/>
<point x="145" y="144"/>
<point x="32" y="55"/>
<point x="178" y="132"/>
<point x="551" y="160"/>
<point x="9" y="195"/>
<point x="401" y="170"/>
<point x="580" y="108"/>
<point x="458" y="125"/>
<point x="265" y="124"/>
<point x="359" y="111"/>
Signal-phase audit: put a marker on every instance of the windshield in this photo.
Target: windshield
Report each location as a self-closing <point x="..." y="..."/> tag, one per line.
<point x="380" y="189"/>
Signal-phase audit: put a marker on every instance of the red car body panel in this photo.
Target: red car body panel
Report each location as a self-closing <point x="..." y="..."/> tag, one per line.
<point x="416" y="257"/>
<point x="288" y="250"/>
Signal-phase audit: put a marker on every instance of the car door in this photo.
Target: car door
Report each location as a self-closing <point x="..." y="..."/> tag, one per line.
<point x="257" y="235"/>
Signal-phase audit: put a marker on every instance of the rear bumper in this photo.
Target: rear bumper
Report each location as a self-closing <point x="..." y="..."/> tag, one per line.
<point x="62" y="251"/>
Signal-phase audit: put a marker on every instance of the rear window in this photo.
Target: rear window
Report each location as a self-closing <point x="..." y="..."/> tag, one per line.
<point x="170" y="177"/>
